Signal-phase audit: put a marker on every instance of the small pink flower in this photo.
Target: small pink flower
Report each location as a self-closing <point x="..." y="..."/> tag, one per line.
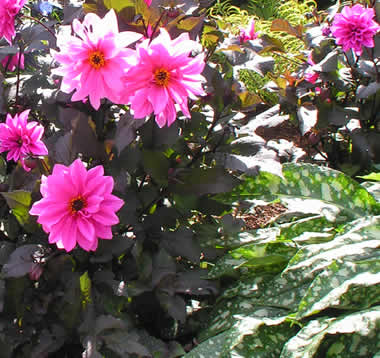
<point x="148" y="2"/>
<point x="248" y="33"/>
<point x="77" y="206"/>
<point x="8" y="10"/>
<point x="21" y="139"/>
<point x="93" y="62"/>
<point x="13" y="63"/>
<point x="163" y="76"/>
<point x="326" y="31"/>
<point x="354" y="27"/>
<point x="310" y="75"/>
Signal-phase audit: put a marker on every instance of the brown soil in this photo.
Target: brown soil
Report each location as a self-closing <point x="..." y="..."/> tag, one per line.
<point x="263" y="215"/>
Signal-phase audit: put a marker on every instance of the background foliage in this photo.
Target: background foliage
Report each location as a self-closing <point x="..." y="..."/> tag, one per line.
<point x="185" y="274"/>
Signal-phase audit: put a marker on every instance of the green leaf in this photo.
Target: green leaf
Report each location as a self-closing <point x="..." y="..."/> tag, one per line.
<point x="19" y="201"/>
<point x="307" y="181"/>
<point x="259" y="257"/>
<point x="118" y="5"/>
<point x="372" y="176"/>
<point x="343" y="285"/>
<point x="85" y="287"/>
<point x="350" y="336"/>
<point x="260" y="333"/>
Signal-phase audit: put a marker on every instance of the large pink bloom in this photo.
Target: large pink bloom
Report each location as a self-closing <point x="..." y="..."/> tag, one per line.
<point x="163" y="75"/>
<point x="8" y="10"/>
<point x="21" y="139"/>
<point x="354" y="27"/>
<point x="77" y="206"/>
<point x="13" y="61"/>
<point x="94" y="61"/>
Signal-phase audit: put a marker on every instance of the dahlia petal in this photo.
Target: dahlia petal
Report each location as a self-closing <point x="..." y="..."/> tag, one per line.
<point x="78" y="175"/>
<point x="93" y="203"/>
<point x="102" y="231"/>
<point x="86" y="244"/>
<point x="126" y="38"/>
<point x="105" y="217"/>
<point x="66" y="189"/>
<point x="97" y="86"/>
<point x="112" y="202"/>
<point x="141" y="107"/>
<point x="160" y="119"/>
<point x="97" y="171"/>
<point x="109" y="22"/>
<point x="86" y="228"/>
<point x="38" y="149"/>
<point x="69" y="235"/>
<point x="53" y="213"/>
<point x="158" y="98"/>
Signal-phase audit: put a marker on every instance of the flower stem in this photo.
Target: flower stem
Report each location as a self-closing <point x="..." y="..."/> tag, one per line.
<point x="39" y="22"/>
<point x="21" y="51"/>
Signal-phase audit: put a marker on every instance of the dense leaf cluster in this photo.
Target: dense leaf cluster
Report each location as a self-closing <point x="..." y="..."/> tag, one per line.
<point x="182" y="267"/>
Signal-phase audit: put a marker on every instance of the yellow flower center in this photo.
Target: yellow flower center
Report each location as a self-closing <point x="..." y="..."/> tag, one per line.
<point x="162" y="76"/>
<point x="77" y="204"/>
<point x="96" y="59"/>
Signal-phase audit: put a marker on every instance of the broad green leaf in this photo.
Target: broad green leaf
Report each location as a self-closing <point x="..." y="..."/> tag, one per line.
<point x="226" y="312"/>
<point x="343" y="285"/>
<point x="259" y="336"/>
<point x="350" y="336"/>
<point x="309" y="230"/>
<point x="373" y="188"/>
<point x="307" y="181"/>
<point x="259" y="257"/>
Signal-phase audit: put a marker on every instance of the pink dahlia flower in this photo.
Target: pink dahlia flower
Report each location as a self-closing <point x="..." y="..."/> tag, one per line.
<point x="21" y="139"/>
<point x="354" y="27"/>
<point x="77" y="206"/>
<point x="248" y="33"/>
<point x="93" y="62"/>
<point x="164" y="74"/>
<point x="8" y="10"/>
<point x="13" y="62"/>
<point x="148" y="2"/>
